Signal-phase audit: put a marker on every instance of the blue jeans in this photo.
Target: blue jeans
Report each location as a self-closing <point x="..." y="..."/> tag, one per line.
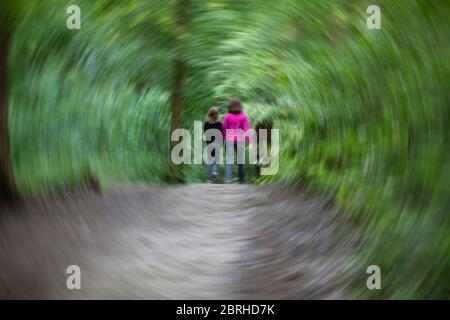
<point x="231" y="149"/>
<point x="213" y="159"/>
<point x="212" y="170"/>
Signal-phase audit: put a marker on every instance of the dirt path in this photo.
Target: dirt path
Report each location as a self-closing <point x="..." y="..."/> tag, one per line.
<point x="191" y="242"/>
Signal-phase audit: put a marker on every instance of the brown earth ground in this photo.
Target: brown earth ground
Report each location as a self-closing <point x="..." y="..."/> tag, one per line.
<point x="190" y="242"/>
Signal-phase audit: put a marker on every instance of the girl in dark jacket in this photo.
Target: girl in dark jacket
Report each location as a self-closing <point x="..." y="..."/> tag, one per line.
<point x="213" y="122"/>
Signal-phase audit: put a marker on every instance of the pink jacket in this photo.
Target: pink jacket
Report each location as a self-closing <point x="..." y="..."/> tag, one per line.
<point x="232" y="122"/>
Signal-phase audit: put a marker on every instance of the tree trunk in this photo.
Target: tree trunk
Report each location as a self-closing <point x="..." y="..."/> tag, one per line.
<point x="8" y="190"/>
<point x="180" y="75"/>
<point x="266" y="124"/>
<point x="177" y="95"/>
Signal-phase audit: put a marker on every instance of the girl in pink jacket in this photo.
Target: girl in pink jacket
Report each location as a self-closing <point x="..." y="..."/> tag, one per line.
<point x="235" y="126"/>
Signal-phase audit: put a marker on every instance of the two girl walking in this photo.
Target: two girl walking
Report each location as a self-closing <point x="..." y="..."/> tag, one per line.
<point x="234" y="130"/>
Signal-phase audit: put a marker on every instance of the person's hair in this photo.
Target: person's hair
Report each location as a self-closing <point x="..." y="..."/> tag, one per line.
<point x="234" y="105"/>
<point x="213" y="115"/>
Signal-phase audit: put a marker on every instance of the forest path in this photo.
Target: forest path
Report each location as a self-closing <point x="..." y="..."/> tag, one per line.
<point x="189" y="242"/>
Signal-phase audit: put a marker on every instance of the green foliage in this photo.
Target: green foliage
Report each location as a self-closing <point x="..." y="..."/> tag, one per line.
<point x="371" y="108"/>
